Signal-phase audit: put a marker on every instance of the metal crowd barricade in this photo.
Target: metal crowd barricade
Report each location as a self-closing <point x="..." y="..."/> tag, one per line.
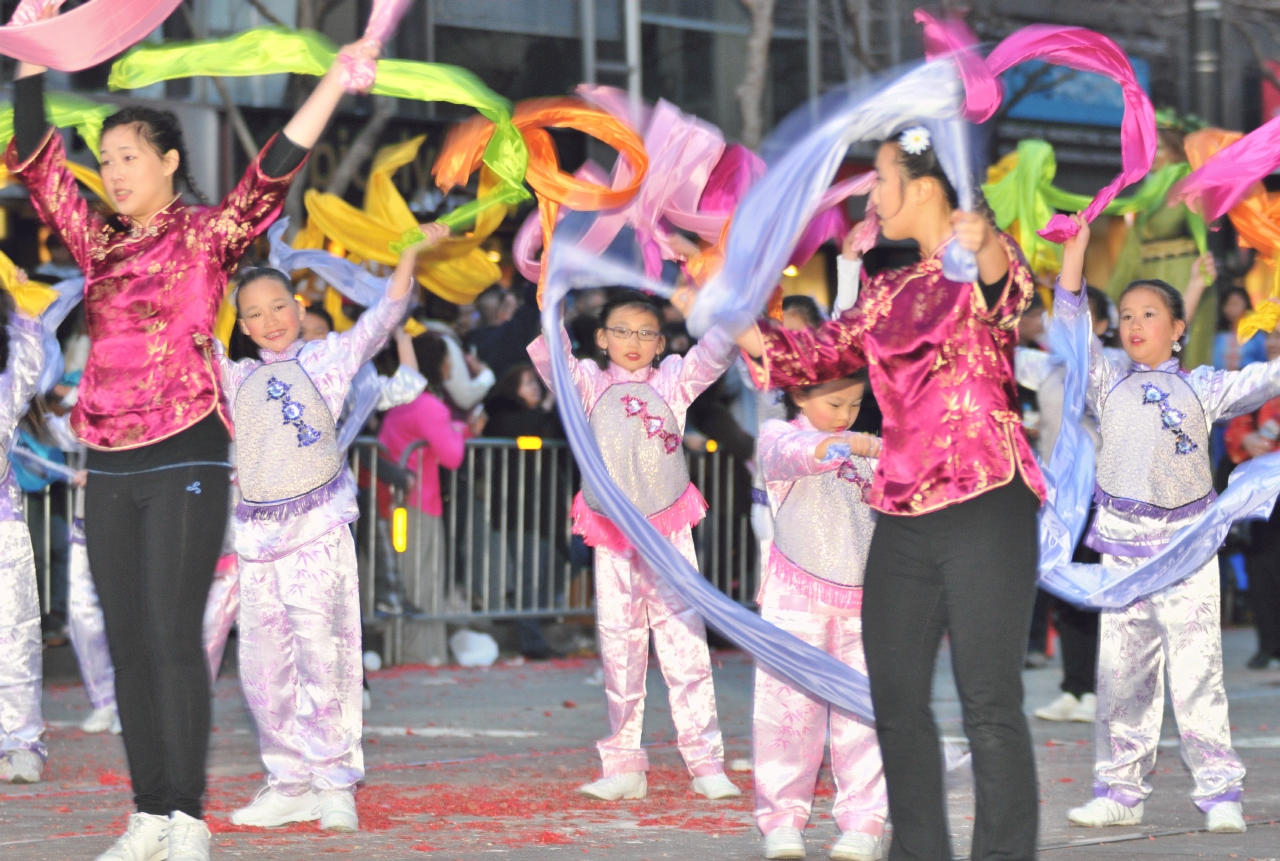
<point x="501" y="547"/>
<point x="42" y="533"/>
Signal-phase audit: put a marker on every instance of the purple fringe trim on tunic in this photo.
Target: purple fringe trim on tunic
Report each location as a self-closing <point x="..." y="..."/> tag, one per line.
<point x="1145" y="509"/>
<point x="336" y="486"/>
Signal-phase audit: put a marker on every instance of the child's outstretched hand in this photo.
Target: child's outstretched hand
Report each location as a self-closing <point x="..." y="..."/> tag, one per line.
<point x="432" y="235"/>
<point x="1072" y="276"/>
<point x="683" y="300"/>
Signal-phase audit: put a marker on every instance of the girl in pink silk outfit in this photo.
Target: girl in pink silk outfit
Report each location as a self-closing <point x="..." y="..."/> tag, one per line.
<point x="637" y="412"/>
<point x="1153" y="479"/>
<point x="957" y="490"/>
<point x="151" y="412"/>
<point x="299" y="587"/>
<point x="817" y="474"/>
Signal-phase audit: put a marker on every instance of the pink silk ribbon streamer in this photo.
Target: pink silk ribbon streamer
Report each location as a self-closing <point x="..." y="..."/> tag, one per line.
<point x="951" y="35"/>
<point x="358" y="73"/>
<point x="1227" y="177"/>
<point x="1076" y="48"/>
<point x="683" y="152"/>
<point x="85" y="36"/>
<point x="738" y="169"/>
<point x="832" y="221"/>
<point x="30" y="11"/>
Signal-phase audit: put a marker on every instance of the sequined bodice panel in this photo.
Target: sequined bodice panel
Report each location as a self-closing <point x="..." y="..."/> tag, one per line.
<point x="1155" y="441"/>
<point x="286" y="445"/>
<point x="640" y="440"/>
<point x="824" y="524"/>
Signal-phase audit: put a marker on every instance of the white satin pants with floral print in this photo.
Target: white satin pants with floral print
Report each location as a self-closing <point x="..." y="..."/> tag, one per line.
<point x="790" y="726"/>
<point x="632" y="601"/>
<point x="300" y="663"/>
<point x="1176" y="632"/>
<point x="21" y="659"/>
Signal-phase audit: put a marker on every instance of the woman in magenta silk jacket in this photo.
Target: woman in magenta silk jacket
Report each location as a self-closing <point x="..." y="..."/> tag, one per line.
<point x="957" y="490"/>
<point x="152" y="414"/>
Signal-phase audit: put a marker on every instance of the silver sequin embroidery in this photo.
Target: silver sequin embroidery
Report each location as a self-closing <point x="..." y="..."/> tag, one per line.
<point x="824" y="524"/>
<point x="640" y="441"/>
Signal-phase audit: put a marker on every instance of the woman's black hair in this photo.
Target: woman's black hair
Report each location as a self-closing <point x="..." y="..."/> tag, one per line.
<point x="317" y="311"/>
<point x="162" y="131"/>
<point x="430" y="350"/>
<point x="257" y="272"/>
<point x="793" y="410"/>
<point x="1167" y="292"/>
<point x="435" y="308"/>
<point x="926" y="164"/>
<point x="1223" y="323"/>
<point x="6" y="311"/>
<point x="625" y="297"/>
<point x="508" y="385"/>
<point x="805" y="306"/>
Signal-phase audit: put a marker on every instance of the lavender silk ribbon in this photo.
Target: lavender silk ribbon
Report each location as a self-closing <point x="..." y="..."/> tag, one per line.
<point x="70" y="292"/>
<point x="85" y="36"/>
<point x="357" y="284"/>
<point x="1070" y="477"/>
<point x="1225" y="179"/>
<point x="35" y="461"/>
<point x="1074" y="47"/>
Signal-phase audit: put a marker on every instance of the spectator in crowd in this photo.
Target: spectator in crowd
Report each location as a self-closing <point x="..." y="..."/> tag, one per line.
<point x="1228" y="353"/>
<point x="469" y="380"/>
<point x="500" y="345"/>
<point x="317" y="323"/>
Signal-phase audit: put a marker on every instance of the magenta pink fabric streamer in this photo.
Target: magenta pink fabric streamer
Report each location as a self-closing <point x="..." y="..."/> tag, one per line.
<point x="1226" y="178"/>
<point x="358" y="73"/>
<point x="85" y="36"/>
<point x="738" y="169"/>
<point x="1076" y="48"/>
<point x="951" y="35"/>
<point x="832" y="220"/>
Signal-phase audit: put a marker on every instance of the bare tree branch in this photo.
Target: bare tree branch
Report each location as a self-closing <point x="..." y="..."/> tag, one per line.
<point x="750" y="92"/>
<point x="1041" y="80"/>
<point x="384" y="108"/>
<point x="266" y="13"/>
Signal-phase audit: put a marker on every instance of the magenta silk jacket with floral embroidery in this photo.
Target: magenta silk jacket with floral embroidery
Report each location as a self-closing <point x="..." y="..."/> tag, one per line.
<point x="151" y="297"/>
<point x="941" y="367"/>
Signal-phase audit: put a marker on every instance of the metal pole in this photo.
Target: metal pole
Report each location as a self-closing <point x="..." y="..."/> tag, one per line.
<point x="431" y="47"/>
<point x="587" y="19"/>
<point x="631" y="11"/>
<point x="1206" y="47"/>
<point x="814" y="50"/>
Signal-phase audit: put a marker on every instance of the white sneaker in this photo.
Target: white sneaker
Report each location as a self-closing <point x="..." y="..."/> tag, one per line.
<point x="628" y="786"/>
<point x="21" y="766"/>
<point x="1225" y="817"/>
<point x="857" y="846"/>
<point x="101" y="720"/>
<point x="338" y="810"/>
<point x="1102" y="812"/>
<point x="366" y="700"/>
<point x="271" y="808"/>
<point x="188" y="838"/>
<point x="715" y="787"/>
<point x="1087" y="711"/>
<point x="146" y="839"/>
<point x="784" y="842"/>
<point x="1060" y="709"/>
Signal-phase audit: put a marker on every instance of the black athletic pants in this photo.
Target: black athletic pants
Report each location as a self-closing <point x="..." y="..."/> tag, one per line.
<point x="1078" y="641"/>
<point x="969" y="571"/>
<point x="1262" y="564"/>
<point x="153" y="539"/>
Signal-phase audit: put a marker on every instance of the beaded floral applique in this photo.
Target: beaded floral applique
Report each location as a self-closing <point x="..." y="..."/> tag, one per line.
<point x="1169" y="417"/>
<point x="848" y="472"/>
<point x="292" y="411"/>
<point x="653" y="426"/>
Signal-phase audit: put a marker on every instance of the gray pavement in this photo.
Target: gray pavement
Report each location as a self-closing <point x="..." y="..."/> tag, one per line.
<point x="472" y="764"/>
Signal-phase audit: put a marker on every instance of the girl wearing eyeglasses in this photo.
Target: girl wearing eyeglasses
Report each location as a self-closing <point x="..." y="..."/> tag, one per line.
<point x="637" y="411"/>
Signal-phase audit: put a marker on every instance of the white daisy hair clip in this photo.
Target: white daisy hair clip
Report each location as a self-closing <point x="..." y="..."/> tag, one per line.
<point x="915" y="140"/>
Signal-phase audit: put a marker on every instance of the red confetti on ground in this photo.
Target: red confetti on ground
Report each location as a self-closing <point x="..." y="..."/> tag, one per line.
<point x="112" y="778"/>
<point x="423" y="847"/>
<point x="570" y="704"/>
